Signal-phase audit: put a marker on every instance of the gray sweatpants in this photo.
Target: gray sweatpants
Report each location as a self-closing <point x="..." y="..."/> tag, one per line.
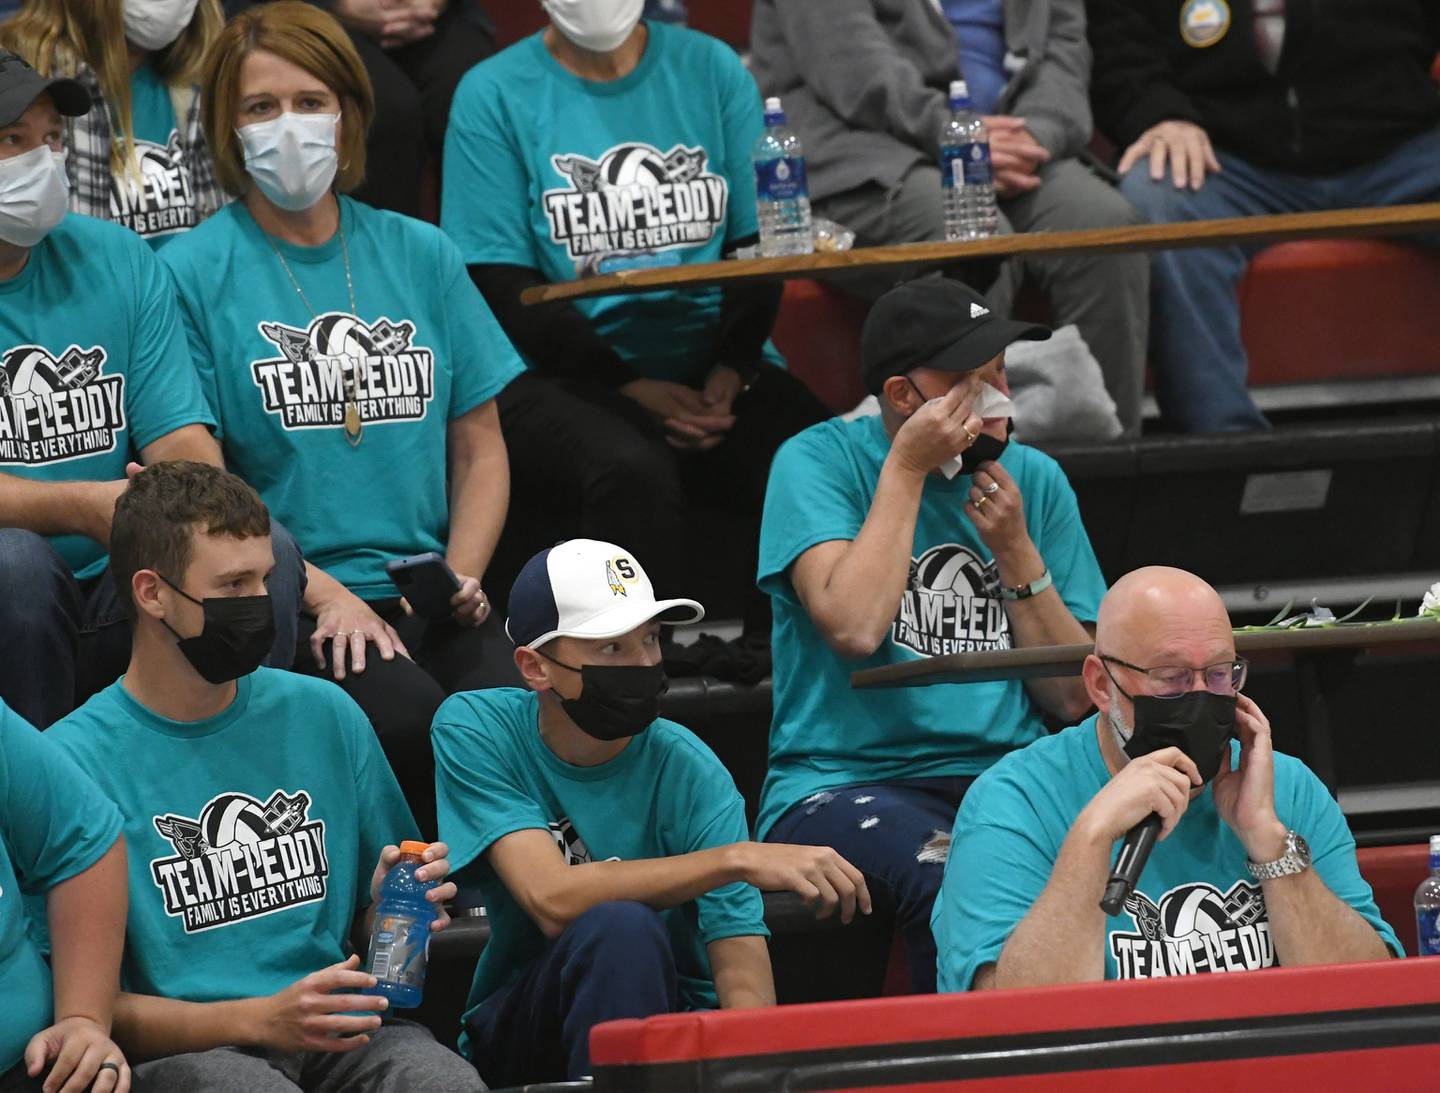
<point x="1106" y="296"/>
<point x="401" y="1057"/>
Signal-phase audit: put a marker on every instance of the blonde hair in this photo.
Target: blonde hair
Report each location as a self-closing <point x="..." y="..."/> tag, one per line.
<point x="58" y="36"/>
<point x="308" y="38"/>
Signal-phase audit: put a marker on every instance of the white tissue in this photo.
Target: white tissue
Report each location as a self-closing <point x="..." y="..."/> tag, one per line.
<point x="990" y="403"/>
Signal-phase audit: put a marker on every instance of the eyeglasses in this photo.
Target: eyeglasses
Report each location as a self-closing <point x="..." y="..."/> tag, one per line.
<point x="1173" y="680"/>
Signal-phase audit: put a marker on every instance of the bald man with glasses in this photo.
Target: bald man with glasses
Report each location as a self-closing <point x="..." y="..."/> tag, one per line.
<point x="1255" y="865"/>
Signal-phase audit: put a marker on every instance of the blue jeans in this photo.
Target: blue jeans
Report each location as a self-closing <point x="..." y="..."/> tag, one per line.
<point x="612" y="962"/>
<point x="1195" y="342"/>
<point x="67" y="639"/>
<point x="898" y="835"/>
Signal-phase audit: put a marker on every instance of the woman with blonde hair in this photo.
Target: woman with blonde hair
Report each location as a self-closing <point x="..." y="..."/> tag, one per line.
<point x="352" y="367"/>
<point x="139" y="156"/>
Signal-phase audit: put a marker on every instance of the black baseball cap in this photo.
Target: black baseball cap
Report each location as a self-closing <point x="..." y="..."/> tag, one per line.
<point x="21" y="85"/>
<point x="934" y="322"/>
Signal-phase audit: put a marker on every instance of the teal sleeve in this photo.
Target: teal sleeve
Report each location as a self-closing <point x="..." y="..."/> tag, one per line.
<point x="1315" y="815"/>
<point x="482" y="359"/>
<point x="993" y="876"/>
<point x="743" y="118"/>
<point x="202" y="358"/>
<point x="806" y="503"/>
<point x="478" y="802"/>
<point x="385" y="816"/>
<point x="162" y="390"/>
<point x="485" y="195"/>
<point x="55" y="821"/>
<point x="735" y="910"/>
<point x="1065" y="546"/>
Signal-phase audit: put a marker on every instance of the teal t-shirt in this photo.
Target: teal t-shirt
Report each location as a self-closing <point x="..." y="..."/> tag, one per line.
<point x="424" y="351"/>
<point x="253" y="835"/>
<point x="53" y="825"/>
<point x="93" y="364"/>
<point x="666" y="794"/>
<point x="159" y="204"/>
<point x="1196" y="908"/>
<point x="575" y="177"/>
<point x="826" y="734"/>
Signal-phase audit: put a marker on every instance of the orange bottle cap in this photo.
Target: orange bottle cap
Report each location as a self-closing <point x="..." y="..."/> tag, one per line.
<point x="414" y="846"/>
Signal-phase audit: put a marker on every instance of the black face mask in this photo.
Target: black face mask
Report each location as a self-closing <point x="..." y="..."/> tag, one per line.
<point x="1198" y="723"/>
<point x="615" y="702"/>
<point x="984" y="449"/>
<point x="236" y="637"/>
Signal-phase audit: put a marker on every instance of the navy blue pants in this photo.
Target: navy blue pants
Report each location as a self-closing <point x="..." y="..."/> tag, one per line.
<point x="897" y="834"/>
<point x="613" y="962"/>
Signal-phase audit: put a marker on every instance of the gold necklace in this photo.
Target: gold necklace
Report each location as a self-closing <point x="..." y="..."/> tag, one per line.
<point x="354" y="427"/>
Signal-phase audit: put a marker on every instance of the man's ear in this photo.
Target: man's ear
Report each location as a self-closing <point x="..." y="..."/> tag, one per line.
<point x="900" y="395"/>
<point x="1098" y="684"/>
<point x="532" y="669"/>
<point x="145" y="590"/>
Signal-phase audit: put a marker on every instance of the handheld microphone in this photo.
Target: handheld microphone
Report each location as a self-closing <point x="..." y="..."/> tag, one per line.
<point x="1134" y="853"/>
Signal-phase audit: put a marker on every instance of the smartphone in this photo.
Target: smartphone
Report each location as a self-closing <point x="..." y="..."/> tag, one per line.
<point x="427" y="582"/>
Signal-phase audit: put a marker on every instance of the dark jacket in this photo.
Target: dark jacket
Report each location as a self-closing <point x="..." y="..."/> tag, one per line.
<point x="1353" y="78"/>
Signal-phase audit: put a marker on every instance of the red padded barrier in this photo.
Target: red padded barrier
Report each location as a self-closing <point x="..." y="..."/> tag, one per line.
<point x="1393" y="873"/>
<point x="720" y="1034"/>
<point x="1323" y="310"/>
<point x="818" y="333"/>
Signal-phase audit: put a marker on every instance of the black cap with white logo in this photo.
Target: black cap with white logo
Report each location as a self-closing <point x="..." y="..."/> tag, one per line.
<point x="934" y="322"/>
<point x="21" y="85"/>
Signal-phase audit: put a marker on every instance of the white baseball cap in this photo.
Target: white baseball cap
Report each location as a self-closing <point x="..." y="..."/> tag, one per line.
<point x="583" y="588"/>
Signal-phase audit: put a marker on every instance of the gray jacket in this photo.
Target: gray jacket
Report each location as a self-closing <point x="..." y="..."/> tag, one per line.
<point x="865" y="82"/>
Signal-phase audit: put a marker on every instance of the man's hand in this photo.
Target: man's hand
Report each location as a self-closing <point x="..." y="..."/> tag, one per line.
<point x="1184" y="144"/>
<point x="99" y="510"/>
<point x="1245" y="796"/>
<point x="1015" y="155"/>
<point x="1159" y="782"/>
<point x="309" y="1016"/>
<point x="997" y="510"/>
<point x="817" y="874"/>
<point x="689" y="420"/>
<point x="76" y="1046"/>
<point x="348" y="622"/>
<point x="939" y="430"/>
<point x="469" y="606"/>
<point x="392" y="23"/>
<point x="722" y="387"/>
<point x="436" y="868"/>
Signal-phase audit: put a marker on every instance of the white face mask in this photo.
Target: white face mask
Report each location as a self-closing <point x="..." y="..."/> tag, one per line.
<point x="292" y="158"/>
<point x="596" y="25"/>
<point x="154" y="24"/>
<point x="33" y="195"/>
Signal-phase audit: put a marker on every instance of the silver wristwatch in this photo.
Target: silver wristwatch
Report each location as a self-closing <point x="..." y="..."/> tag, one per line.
<point x="1296" y="860"/>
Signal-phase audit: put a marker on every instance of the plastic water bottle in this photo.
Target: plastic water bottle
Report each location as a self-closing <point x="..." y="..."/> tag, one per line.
<point x="781" y="196"/>
<point x="965" y="177"/>
<point x="400" y="940"/>
<point x="1427" y="904"/>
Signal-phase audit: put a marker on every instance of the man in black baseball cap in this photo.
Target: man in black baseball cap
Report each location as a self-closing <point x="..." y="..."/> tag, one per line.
<point x="913" y="533"/>
<point x="21" y="85"/>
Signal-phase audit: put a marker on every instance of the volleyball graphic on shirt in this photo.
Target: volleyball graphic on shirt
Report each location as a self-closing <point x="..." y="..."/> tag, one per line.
<point x="1193" y="929"/>
<point x="159" y="200"/>
<point x="340" y="360"/>
<point x="633" y="203"/>
<point x="240" y="859"/>
<point x="951" y="604"/>
<point x="569" y="842"/>
<point x="57" y="408"/>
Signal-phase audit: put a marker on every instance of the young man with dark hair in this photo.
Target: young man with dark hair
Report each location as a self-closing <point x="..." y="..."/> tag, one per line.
<point x="256" y="803"/>
<point x="94" y="373"/>
<point x="610" y="843"/>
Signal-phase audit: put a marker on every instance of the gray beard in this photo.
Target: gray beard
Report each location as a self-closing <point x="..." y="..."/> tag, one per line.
<point x="1116" y="719"/>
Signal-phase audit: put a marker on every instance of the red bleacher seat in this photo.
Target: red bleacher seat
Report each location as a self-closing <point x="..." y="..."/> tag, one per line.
<point x="818" y="331"/>
<point x="728" y="20"/>
<point x="1393" y="873"/>
<point x="514" y="19"/>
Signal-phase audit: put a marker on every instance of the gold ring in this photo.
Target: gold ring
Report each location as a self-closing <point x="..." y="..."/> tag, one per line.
<point x="969" y="435"/>
<point x="980" y="502"/>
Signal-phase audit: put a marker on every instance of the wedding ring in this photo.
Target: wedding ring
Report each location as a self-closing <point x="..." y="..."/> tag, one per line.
<point x="994" y="487"/>
<point x="980" y="502"/>
<point x="968" y="434"/>
<point x="108" y="1066"/>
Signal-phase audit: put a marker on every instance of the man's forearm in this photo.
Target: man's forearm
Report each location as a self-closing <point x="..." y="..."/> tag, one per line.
<point x="86" y="915"/>
<point x="741" y="969"/>
<point x="147" y="1027"/>
<point x="57" y="508"/>
<point x="1062" y="938"/>
<point x="1312" y="925"/>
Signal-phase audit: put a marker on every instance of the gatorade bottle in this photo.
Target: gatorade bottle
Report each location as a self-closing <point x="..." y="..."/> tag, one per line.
<point x="400" y="941"/>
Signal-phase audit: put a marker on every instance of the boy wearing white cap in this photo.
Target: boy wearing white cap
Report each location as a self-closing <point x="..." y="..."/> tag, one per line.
<point x="610" y="844"/>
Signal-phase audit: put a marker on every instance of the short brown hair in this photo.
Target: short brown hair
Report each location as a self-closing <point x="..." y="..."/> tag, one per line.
<point x="305" y="36"/>
<point x="162" y="508"/>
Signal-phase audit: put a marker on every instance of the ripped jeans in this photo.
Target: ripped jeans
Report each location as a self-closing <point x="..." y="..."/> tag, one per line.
<point x="898" y="835"/>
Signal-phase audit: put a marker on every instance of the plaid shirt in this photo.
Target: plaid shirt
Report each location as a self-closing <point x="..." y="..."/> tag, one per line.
<point x="87" y="159"/>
